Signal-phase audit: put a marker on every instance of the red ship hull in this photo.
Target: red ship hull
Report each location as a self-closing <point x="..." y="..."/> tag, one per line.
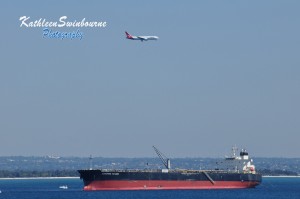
<point x="165" y="185"/>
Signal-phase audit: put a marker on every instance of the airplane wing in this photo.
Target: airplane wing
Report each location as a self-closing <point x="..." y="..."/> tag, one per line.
<point x="142" y="38"/>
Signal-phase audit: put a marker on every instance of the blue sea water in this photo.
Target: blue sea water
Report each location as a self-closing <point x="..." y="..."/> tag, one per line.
<point x="49" y="189"/>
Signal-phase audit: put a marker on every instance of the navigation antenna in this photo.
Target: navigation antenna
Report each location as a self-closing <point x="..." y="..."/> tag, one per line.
<point x="166" y="161"/>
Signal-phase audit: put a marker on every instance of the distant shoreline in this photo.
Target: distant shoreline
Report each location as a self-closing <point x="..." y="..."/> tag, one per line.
<point x="37" y="178"/>
<point x="281" y="176"/>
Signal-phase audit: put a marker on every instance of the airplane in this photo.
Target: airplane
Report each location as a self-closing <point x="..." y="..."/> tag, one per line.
<point x="141" y="38"/>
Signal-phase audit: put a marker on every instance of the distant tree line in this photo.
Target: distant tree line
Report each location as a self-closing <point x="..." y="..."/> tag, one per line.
<point x="28" y="174"/>
<point x="277" y="172"/>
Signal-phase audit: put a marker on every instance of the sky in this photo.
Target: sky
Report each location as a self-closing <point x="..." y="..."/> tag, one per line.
<point x="222" y="73"/>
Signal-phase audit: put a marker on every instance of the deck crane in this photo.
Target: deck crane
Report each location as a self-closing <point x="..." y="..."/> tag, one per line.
<point x="166" y="161"/>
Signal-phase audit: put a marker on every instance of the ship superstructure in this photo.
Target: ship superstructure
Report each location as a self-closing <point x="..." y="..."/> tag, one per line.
<point x="235" y="163"/>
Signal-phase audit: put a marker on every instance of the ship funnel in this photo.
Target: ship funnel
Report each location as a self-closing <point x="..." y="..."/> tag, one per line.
<point x="169" y="164"/>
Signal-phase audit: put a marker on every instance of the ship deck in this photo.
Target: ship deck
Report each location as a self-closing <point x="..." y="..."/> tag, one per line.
<point x="163" y="171"/>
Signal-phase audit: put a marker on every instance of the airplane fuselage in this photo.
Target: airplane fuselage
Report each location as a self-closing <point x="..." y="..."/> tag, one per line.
<point x="143" y="38"/>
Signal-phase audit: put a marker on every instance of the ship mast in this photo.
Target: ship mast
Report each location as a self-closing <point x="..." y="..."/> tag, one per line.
<point x="91" y="162"/>
<point x="234" y="150"/>
<point x="166" y="161"/>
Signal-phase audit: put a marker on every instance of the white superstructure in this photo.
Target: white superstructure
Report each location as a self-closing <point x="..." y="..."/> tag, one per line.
<point x="235" y="163"/>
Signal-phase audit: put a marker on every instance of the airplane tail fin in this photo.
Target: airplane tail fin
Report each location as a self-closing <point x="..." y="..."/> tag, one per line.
<point x="128" y="36"/>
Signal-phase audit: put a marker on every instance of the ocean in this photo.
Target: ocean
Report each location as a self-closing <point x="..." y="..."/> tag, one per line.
<point x="275" y="187"/>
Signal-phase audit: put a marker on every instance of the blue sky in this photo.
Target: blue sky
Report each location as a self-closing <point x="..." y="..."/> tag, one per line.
<point x="222" y="73"/>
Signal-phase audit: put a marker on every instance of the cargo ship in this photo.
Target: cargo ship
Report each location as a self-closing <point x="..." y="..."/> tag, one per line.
<point x="233" y="172"/>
